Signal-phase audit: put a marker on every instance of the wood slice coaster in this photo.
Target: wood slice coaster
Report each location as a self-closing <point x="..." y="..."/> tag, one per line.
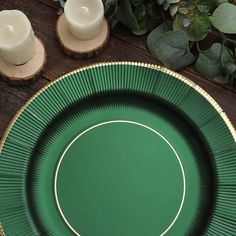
<point x="27" y="71"/>
<point x="81" y="48"/>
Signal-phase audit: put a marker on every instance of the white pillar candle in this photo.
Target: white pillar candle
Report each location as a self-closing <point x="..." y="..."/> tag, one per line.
<point x="17" y="40"/>
<point x="84" y="18"/>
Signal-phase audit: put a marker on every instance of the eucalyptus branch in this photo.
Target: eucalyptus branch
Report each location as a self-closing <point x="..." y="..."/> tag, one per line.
<point x="221" y="53"/>
<point x="233" y="56"/>
<point x="198" y="47"/>
<point x="227" y="39"/>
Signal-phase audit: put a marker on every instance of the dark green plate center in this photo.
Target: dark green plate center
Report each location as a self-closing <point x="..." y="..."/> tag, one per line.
<point x="120" y="177"/>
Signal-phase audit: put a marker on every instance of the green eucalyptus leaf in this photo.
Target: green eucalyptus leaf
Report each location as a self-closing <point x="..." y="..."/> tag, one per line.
<point x="152" y="24"/>
<point x="229" y="68"/>
<point x="224" y="18"/>
<point x="166" y="5"/>
<point x="160" y="2"/>
<point x="173" y="10"/>
<point x="111" y="7"/>
<point x="210" y="62"/>
<point x="173" y="1"/>
<point x="143" y="26"/>
<point x="126" y="16"/>
<point x="154" y="36"/>
<point x="218" y="2"/>
<point x="172" y="49"/>
<point x="208" y="6"/>
<point x="108" y="3"/>
<point x="201" y="26"/>
<point x="198" y="29"/>
<point x="140" y="12"/>
<point x="203" y="8"/>
<point x="137" y="3"/>
<point x="183" y="10"/>
<point x="222" y="79"/>
<point x="154" y="16"/>
<point x="138" y="21"/>
<point x="153" y="10"/>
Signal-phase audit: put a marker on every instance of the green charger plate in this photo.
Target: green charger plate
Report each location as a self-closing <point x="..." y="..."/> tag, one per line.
<point x="119" y="149"/>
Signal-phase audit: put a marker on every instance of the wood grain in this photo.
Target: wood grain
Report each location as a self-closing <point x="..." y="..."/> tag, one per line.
<point x="30" y="70"/>
<point x="123" y="46"/>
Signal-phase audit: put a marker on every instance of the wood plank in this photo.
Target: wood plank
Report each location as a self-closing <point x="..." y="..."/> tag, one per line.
<point x="9" y="103"/>
<point x="52" y="3"/>
<point x="4" y="121"/>
<point x="23" y="91"/>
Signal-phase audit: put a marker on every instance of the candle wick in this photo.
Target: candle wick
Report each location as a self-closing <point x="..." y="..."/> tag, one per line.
<point x="84" y="10"/>
<point x="9" y="29"/>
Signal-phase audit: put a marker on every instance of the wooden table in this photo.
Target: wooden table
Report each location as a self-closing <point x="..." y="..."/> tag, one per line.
<point x="123" y="46"/>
